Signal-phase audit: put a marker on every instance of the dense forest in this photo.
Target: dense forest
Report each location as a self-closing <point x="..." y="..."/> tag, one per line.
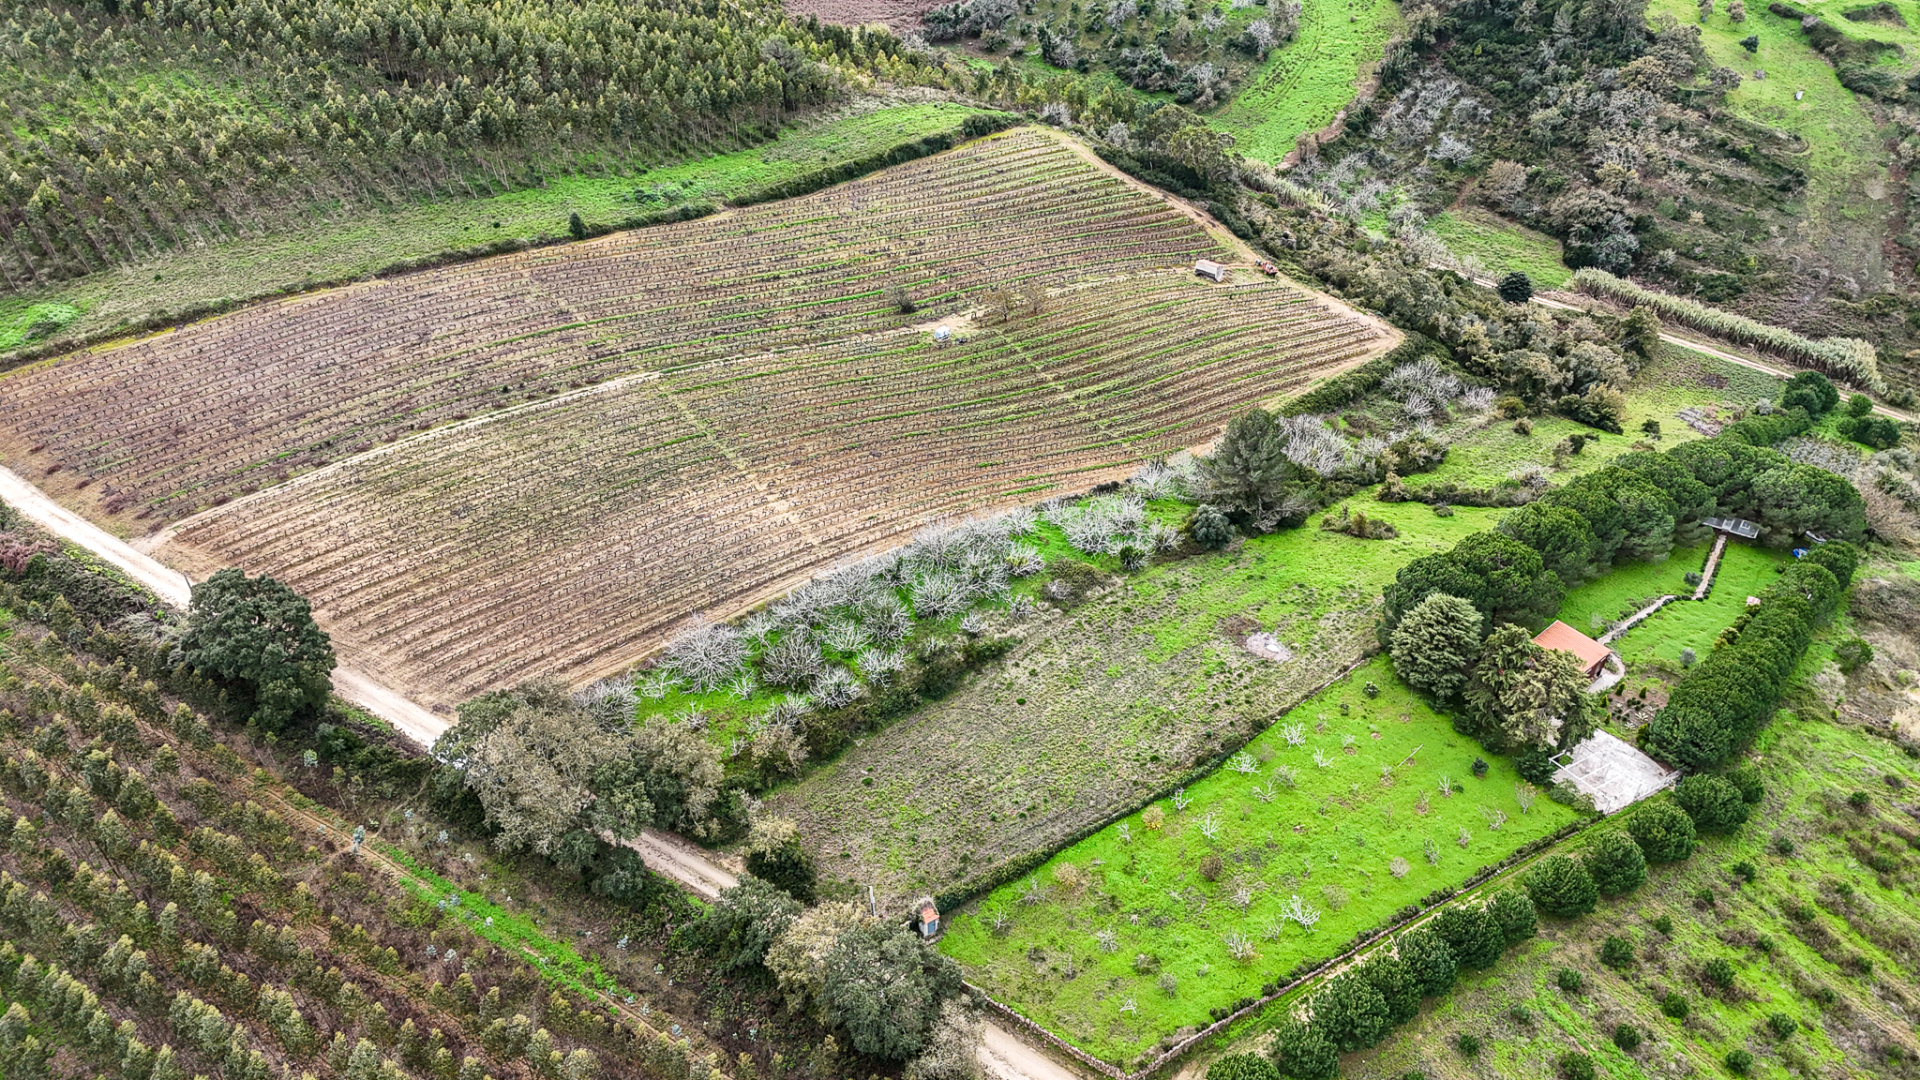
<point x="130" y="131"/>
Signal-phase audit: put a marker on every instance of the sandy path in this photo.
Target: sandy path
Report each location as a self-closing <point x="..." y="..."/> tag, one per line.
<point x="1783" y="371"/>
<point x="175" y="589"/>
<point x="1004" y="1057"/>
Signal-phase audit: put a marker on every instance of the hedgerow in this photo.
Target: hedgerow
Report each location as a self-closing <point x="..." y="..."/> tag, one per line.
<point x="1721" y="704"/>
<point x="1849" y="358"/>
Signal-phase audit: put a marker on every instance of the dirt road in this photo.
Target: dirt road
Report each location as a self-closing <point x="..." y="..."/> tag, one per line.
<point x="175" y="589"/>
<point x="1004" y="1057"/>
<point x="1784" y="371"/>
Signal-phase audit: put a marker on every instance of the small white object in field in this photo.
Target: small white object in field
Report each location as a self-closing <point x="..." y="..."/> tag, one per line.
<point x="1798" y="94"/>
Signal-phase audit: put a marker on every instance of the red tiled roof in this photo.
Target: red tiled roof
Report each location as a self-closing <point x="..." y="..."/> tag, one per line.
<point x="1565" y="638"/>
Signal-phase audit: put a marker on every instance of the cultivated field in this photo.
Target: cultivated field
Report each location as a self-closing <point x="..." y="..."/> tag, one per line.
<point x="695" y="475"/>
<point x="175" y="423"/>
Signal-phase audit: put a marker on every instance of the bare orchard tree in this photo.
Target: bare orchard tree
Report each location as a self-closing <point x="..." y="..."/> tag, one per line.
<point x="707" y="654"/>
<point x="1299" y="911"/>
<point x="794" y="660"/>
<point x="1525" y="794"/>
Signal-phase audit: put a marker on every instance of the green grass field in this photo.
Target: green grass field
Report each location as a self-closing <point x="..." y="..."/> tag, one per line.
<point x="364" y="243"/>
<point x="1302" y="86"/>
<point x="1744" y="571"/>
<point x="1088" y="954"/>
<point x="1502" y="246"/>
<point x="1683" y="624"/>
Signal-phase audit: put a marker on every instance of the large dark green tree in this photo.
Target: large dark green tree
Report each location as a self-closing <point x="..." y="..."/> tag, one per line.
<point x="1615" y="862"/>
<point x="258" y="637"/>
<point x="1248" y="468"/>
<point x="1664" y="831"/>
<point x="1525" y="697"/>
<point x="1503" y="579"/>
<point x="1435" y="644"/>
<point x="1561" y="886"/>
<point x="1429" y="959"/>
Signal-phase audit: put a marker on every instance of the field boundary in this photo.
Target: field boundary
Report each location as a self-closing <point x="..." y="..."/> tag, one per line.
<point x="967" y="892"/>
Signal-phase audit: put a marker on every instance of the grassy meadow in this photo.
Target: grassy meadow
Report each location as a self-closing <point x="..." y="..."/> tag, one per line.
<point x="1303" y="85"/>
<point x="1502" y="246"/>
<point x="357" y="241"/>
<point x="1125" y="937"/>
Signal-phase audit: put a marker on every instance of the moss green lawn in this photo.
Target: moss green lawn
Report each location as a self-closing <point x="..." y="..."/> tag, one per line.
<point x="1502" y="246"/>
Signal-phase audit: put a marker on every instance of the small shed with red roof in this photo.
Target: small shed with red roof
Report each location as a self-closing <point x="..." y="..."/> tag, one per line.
<point x="1564" y="638"/>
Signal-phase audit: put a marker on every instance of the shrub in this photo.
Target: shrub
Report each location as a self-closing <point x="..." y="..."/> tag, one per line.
<point x="1303" y="1053"/>
<point x="1243" y="1067"/>
<point x="1211" y="867"/>
<point x="1467" y="1044"/>
<point x="1745" y="871"/>
<point x="1575" y="1065"/>
<point x="1616" y="953"/>
<point x="1852" y="654"/>
<point x="1664" y="831"/>
<point x="1674" y="1005"/>
<point x="1569" y="980"/>
<point x="1782" y="1025"/>
<point x="1718" y="972"/>
<point x="1747" y="779"/>
<point x="1210" y="527"/>
<point x="1615" y="862"/>
<point x="1513" y="913"/>
<point x="1480" y="768"/>
<point x="1860" y="800"/>
<point x="1626" y="1037"/>
<point x="1811" y="391"/>
<point x="1859" y="405"/>
<point x="1516" y="287"/>
<point x="1739" y="1062"/>
<point x="1714" y="803"/>
<point x="1471" y="934"/>
<point x="1562" y="887"/>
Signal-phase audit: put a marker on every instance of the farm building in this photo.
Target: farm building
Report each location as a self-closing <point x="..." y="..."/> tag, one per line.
<point x="1210" y="270"/>
<point x="1564" y="638"/>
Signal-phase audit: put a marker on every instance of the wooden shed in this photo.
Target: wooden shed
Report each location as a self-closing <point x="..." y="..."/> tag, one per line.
<point x="1563" y="638"/>
<point x="1210" y="270"/>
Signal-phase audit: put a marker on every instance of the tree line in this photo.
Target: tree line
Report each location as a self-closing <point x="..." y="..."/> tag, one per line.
<point x="133" y="129"/>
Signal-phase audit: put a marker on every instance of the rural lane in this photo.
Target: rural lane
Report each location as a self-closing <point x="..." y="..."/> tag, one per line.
<point x="173" y="587"/>
<point x="1784" y="371"/>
